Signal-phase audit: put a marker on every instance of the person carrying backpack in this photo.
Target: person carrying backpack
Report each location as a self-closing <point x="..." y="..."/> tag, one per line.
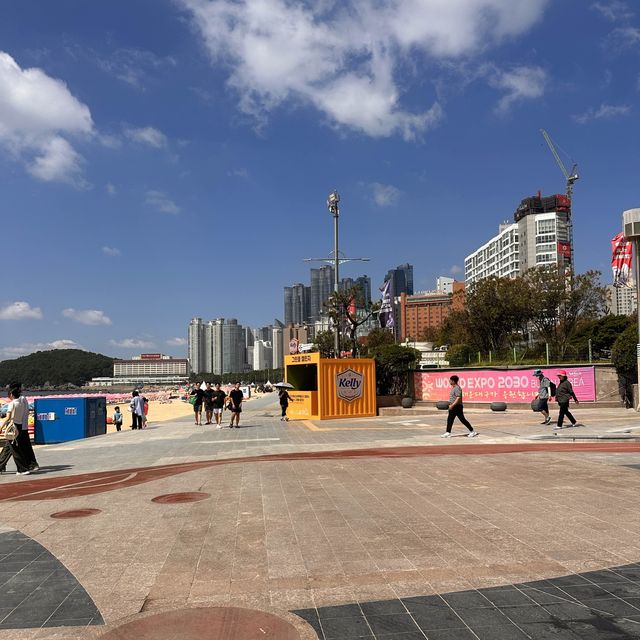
<point x="546" y="390"/>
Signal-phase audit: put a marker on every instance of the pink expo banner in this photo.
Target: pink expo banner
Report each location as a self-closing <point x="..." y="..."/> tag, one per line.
<point x="508" y="385"/>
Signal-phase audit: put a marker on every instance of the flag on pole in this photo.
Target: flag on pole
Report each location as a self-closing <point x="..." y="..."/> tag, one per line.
<point x="386" y="314"/>
<point x="622" y="255"/>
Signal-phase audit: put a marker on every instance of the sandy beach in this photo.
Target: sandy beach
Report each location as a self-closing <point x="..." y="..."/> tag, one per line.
<point x="158" y="411"/>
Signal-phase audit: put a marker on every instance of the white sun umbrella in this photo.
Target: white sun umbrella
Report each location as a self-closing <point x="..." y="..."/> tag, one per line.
<point x="284" y="385"/>
<point x="203" y="386"/>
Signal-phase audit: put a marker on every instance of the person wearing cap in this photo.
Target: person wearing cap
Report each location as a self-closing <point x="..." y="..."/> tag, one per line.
<point x="543" y="395"/>
<point x="564" y="393"/>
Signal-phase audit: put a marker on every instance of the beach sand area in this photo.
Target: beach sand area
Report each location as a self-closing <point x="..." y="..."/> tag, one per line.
<point x="158" y="411"/>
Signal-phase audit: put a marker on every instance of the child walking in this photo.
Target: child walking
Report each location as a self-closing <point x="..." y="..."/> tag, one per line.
<point x="117" y="419"/>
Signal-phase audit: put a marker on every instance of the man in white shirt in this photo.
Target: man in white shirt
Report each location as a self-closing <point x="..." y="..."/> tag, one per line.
<point x="21" y="449"/>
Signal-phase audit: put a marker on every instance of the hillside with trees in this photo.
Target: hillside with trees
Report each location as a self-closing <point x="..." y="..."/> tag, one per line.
<point x="55" y="368"/>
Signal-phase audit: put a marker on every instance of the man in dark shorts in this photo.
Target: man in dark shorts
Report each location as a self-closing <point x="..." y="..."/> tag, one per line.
<point x="218" y="404"/>
<point x="197" y="397"/>
<point x="208" y="403"/>
<point x="236" y="397"/>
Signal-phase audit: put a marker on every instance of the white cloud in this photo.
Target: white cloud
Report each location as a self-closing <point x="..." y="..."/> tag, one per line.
<point x="623" y="38"/>
<point x="456" y="270"/>
<point x="241" y="173"/>
<point x="384" y="195"/>
<point x="132" y="343"/>
<point x="24" y="349"/>
<point x="603" y="112"/>
<point x="133" y="66"/>
<point x="57" y="161"/>
<point x="519" y="83"/>
<point x="176" y="342"/>
<point x="37" y="112"/>
<point x="111" y="251"/>
<point x="161" y="201"/>
<point x="613" y="10"/>
<point x="111" y="189"/>
<point x="344" y="58"/>
<point x="87" y="316"/>
<point x="20" y="311"/>
<point x="147" y="135"/>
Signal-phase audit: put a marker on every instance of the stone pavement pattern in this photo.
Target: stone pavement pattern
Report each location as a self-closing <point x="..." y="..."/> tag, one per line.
<point x="475" y="544"/>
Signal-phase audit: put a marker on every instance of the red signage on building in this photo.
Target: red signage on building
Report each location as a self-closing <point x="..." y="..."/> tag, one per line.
<point x="150" y="356"/>
<point x="564" y="249"/>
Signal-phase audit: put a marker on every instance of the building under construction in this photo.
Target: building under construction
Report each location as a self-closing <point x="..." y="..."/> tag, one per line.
<point x="539" y="236"/>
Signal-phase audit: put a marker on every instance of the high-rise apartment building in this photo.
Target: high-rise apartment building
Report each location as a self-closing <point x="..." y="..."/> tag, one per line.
<point x="402" y="278"/>
<point x="297" y="304"/>
<point x="232" y="347"/>
<point x="364" y="282"/>
<point x="277" y="345"/>
<point x="262" y="355"/>
<point x="321" y="287"/>
<point x="622" y="301"/>
<point x="539" y="236"/>
<point x="196" y="345"/>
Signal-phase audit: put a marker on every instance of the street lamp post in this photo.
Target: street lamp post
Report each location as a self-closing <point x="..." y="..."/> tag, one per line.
<point x="335" y="260"/>
<point x="332" y="204"/>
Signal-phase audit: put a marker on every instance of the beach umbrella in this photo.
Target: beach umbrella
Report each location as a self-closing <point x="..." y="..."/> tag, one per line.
<point x="284" y="385"/>
<point x="203" y="386"/>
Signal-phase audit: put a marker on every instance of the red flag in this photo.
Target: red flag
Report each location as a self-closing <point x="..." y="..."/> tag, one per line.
<point x="622" y="254"/>
<point x="564" y="249"/>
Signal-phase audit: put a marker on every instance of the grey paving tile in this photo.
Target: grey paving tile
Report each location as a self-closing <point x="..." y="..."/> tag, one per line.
<point x="393" y="623"/>
<point x="344" y="627"/>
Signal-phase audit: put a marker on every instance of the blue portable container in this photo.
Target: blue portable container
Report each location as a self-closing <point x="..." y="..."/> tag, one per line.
<point x="71" y="418"/>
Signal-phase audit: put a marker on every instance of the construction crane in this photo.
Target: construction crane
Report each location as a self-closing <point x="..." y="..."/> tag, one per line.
<point x="571" y="177"/>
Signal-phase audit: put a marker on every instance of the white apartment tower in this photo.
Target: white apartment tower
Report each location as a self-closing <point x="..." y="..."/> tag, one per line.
<point x="622" y="300"/>
<point x="196" y="345"/>
<point x="539" y="236"/>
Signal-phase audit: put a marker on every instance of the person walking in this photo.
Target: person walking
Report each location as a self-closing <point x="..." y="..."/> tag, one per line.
<point x="543" y="395"/>
<point x="197" y="398"/>
<point x="117" y="419"/>
<point x="284" y="398"/>
<point x="137" y="410"/>
<point x="21" y="449"/>
<point x="564" y="393"/>
<point x="218" y="399"/>
<point x="456" y="409"/>
<point x="208" y="403"/>
<point x="236" y="397"/>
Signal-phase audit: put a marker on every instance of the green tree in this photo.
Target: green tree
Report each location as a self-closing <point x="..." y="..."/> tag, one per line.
<point x="350" y="310"/>
<point x="458" y="355"/>
<point x="624" y="359"/>
<point x="558" y="307"/>
<point x="393" y="364"/>
<point x="377" y="337"/>
<point x="324" y="343"/>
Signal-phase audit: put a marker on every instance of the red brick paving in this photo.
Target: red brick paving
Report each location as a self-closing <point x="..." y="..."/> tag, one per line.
<point x="101" y="482"/>
<point x="216" y="623"/>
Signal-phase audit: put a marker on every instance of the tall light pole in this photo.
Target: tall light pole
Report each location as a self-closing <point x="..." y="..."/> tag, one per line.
<point x="336" y="260"/>
<point x="332" y="204"/>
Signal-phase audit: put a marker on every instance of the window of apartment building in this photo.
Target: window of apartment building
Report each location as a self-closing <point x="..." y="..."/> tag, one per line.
<point x="545" y="258"/>
<point x="545" y="226"/>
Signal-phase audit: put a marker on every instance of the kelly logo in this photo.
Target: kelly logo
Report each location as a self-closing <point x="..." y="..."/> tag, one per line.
<point x="349" y="385"/>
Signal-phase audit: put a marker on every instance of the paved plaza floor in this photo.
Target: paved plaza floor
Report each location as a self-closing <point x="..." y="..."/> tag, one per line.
<point x="373" y="529"/>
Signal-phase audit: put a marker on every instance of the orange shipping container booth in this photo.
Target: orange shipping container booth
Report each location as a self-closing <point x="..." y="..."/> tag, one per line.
<point x="325" y="389"/>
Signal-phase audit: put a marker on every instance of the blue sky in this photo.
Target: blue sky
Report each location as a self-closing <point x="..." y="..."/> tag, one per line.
<point x="164" y="159"/>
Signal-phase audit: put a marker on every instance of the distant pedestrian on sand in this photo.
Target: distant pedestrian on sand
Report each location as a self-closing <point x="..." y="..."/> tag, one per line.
<point x="236" y="397"/>
<point x="543" y="395"/>
<point x="137" y="410"/>
<point x="218" y="404"/>
<point x="117" y="419"/>
<point x="456" y="409"/>
<point x="208" y="403"/>
<point x="196" y="397"/>
<point x="284" y="398"/>
<point x="564" y="393"/>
